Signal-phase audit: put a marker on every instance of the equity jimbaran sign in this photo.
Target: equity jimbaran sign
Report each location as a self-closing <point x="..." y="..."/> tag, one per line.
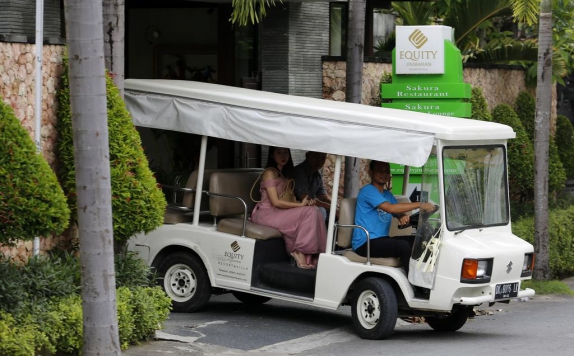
<point x="427" y="73"/>
<point x="420" y="49"/>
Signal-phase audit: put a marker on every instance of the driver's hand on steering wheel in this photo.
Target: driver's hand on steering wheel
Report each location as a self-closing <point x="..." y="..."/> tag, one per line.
<point x="428" y="207"/>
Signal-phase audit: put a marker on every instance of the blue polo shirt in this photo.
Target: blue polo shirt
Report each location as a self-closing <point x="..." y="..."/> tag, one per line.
<point x="376" y="221"/>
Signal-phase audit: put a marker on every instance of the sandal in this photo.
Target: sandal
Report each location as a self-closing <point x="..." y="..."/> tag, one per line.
<point x="300" y="264"/>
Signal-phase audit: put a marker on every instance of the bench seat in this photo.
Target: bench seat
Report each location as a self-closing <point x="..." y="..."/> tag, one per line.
<point x="235" y="226"/>
<point x="236" y="184"/>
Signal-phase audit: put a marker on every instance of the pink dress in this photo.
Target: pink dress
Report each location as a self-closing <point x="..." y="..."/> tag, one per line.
<point x="303" y="228"/>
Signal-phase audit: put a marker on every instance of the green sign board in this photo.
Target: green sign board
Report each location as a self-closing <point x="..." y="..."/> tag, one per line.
<point x="426" y="91"/>
<point x="439" y="94"/>
<point x="437" y="107"/>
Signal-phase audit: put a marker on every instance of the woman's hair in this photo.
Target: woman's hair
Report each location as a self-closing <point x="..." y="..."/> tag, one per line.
<point x="271" y="161"/>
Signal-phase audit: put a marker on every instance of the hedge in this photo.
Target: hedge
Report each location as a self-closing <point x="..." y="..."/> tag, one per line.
<point x="565" y="144"/>
<point x="58" y="328"/>
<point x="525" y="107"/>
<point x="32" y="202"/>
<point x="479" y="106"/>
<point x="520" y="154"/>
<point x="561" y="239"/>
<point x="138" y="204"/>
<point x="40" y="304"/>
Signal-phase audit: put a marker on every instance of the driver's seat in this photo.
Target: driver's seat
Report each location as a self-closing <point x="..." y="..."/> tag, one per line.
<point x="344" y="236"/>
<point x="394" y="230"/>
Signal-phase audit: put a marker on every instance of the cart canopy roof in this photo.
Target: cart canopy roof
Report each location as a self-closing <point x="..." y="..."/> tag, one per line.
<point x="266" y="118"/>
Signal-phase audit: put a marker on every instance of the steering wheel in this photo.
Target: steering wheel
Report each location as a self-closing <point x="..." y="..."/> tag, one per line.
<point x="414" y="219"/>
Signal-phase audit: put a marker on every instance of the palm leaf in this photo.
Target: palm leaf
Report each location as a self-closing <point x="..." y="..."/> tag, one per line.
<point x="465" y="17"/>
<point x="507" y="51"/>
<point x="415" y="13"/>
<point x="249" y="10"/>
<point x="524" y="53"/>
<point x="526" y="11"/>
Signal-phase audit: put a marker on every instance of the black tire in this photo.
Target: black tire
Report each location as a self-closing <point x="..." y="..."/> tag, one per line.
<point x="451" y="322"/>
<point x="184" y="279"/>
<point x="250" y="299"/>
<point x="374" y="309"/>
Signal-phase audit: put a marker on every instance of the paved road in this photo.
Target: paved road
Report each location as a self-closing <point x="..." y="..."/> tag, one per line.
<point x="542" y="325"/>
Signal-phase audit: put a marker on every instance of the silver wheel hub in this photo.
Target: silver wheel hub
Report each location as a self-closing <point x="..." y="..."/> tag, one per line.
<point x="180" y="283"/>
<point x="368" y="309"/>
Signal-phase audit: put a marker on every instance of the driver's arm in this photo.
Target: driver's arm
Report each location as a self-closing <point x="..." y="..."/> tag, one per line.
<point x="401" y="208"/>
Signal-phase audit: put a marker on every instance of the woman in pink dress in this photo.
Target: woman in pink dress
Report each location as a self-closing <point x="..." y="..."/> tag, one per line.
<point x="301" y="223"/>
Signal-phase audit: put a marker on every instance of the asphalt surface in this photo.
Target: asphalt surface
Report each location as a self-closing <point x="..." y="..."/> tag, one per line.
<point x="541" y="325"/>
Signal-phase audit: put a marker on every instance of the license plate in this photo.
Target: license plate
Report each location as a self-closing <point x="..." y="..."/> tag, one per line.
<point x="506" y="290"/>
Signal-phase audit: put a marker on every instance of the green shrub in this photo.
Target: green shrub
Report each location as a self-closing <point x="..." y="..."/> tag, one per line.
<point x="520" y="154"/>
<point x="20" y="339"/>
<point x="565" y="144"/>
<point x="561" y="239"/>
<point x="34" y="283"/>
<point x="151" y="308"/>
<point x="126" y="318"/>
<point x="32" y="202"/>
<point x="479" y="106"/>
<point x="137" y="203"/>
<point x="40" y="304"/>
<point x="525" y="107"/>
<point x="132" y="271"/>
<point x="63" y="323"/>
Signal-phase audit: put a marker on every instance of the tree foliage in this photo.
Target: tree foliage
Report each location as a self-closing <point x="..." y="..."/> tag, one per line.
<point x="32" y="202"/>
<point x="137" y="203"/>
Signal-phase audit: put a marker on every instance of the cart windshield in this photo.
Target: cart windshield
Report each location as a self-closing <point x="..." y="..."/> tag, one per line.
<point x="475" y="186"/>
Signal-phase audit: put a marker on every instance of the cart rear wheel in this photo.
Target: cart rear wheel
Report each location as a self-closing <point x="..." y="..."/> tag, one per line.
<point x="374" y="309"/>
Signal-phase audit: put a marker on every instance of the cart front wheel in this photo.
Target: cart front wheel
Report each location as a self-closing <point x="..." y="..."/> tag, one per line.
<point x="374" y="309"/>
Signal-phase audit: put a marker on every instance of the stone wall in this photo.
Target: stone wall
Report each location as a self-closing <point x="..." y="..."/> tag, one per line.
<point x="17" y="71"/>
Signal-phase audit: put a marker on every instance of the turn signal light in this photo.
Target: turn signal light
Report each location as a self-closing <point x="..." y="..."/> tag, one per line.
<point x="476" y="270"/>
<point x="528" y="265"/>
<point x="469" y="268"/>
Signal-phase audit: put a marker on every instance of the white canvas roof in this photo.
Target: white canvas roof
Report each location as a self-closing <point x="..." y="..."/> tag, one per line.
<point x="266" y="118"/>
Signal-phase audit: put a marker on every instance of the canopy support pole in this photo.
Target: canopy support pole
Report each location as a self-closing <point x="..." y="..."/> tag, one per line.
<point x="334" y="201"/>
<point x="199" y="187"/>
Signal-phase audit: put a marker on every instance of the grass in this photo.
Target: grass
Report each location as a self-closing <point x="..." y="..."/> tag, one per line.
<point x="548" y="287"/>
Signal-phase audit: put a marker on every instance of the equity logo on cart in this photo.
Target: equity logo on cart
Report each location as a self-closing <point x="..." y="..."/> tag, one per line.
<point x="234" y="255"/>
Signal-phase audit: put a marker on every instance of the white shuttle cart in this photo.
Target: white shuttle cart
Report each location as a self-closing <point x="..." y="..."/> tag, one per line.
<point x="464" y="255"/>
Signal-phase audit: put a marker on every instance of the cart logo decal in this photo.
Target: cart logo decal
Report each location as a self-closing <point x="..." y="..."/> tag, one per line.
<point x="509" y="267"/>
<point x="235" y="246"/>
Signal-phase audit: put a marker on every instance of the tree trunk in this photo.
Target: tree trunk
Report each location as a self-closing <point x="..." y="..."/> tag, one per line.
<point x="541" y="142"/>
<point x="355" y="53"/>
<point x="90" y="132"/>
<point x="114" y="33"/>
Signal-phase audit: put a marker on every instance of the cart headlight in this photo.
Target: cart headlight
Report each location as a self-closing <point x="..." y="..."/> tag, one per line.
<point x="528" y="265"/>
<point x="476" y="270"/>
